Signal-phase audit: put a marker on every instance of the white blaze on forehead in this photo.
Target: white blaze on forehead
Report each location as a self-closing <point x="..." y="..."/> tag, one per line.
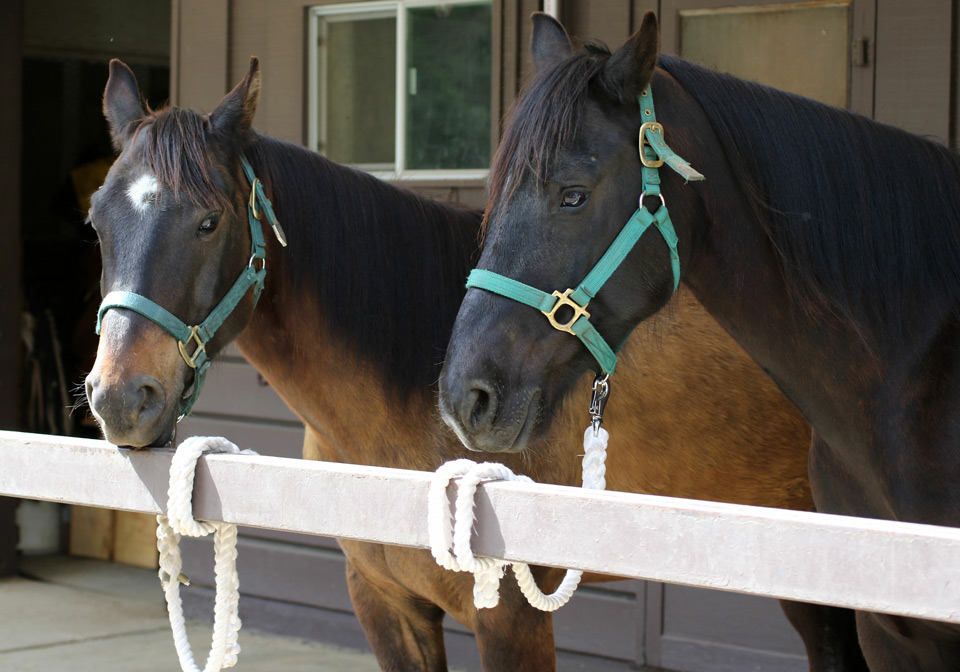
<point x="142" y="191"/>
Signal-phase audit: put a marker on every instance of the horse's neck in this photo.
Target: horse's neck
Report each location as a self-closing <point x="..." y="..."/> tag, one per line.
<point x="350" y="412"/>
<point x="870" y="406"/>
<point x="341" y="395"/>
<point x="340" y="398"/>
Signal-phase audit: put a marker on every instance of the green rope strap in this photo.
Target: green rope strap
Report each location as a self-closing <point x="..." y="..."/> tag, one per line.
<point x="203" y="333"/>
<point x="654" y="152"/>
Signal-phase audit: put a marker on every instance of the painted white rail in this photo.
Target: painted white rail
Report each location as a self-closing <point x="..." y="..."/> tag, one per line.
<point x="877" y="565"/>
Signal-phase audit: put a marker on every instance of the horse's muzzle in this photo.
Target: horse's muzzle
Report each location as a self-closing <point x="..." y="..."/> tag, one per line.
<point x="131" y="413"/>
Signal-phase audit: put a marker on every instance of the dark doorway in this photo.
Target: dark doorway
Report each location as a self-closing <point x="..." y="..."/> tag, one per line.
<point x="66" y="152"/>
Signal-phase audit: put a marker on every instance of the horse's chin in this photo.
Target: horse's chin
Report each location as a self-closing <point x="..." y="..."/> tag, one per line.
<point x="154" y="435"/>
<point x="163" y="441"/>
<point x="138" y="441"/>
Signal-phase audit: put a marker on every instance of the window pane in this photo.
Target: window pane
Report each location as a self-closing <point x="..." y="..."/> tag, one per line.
<point x="800" y="47"/>
<point x="358" y="90"/>
<point x="449" y="63"/>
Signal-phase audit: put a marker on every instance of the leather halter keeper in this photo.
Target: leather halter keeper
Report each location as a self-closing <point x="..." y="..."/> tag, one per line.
<point x="192" y="340"/>
<point x="654" y="152"/>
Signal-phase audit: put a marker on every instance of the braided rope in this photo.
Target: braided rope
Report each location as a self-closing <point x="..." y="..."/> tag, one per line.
<point x="179" y="521"/>
<point x="446" y="533"/>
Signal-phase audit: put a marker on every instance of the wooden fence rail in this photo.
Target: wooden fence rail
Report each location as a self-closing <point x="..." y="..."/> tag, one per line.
<point x="876" y="565"/>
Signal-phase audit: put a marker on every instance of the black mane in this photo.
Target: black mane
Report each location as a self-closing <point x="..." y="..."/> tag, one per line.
<point x="865" y="216"/>
<point x="386" y="266"/>
<point x="177" y="145"/>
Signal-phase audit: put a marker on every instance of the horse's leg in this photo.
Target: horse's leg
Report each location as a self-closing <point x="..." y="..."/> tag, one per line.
<point x="900" y="644"/>
<point x="405" y="632"/>
<point x="513" y="636"/>
<point x="829" y="635"/>
<point x="889" y="643"/>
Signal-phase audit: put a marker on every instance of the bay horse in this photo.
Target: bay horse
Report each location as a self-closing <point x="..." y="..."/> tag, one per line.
<point x="351" y="328"/>
<point x="825" y="243"/>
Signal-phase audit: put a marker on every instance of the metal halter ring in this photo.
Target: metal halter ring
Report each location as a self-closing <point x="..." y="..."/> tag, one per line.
<point x="643" y="195"/>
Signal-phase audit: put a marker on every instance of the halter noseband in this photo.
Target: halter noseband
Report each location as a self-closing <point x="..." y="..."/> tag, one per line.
<point x="203" y="333"/>
<point x="654" y="152"/>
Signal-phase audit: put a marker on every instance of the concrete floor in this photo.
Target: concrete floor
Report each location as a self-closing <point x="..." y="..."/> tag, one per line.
<point x="66" y="613"/>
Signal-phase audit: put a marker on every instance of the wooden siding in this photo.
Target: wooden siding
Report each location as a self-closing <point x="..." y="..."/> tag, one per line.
<point x="199" y="34"/>
<point x="914" y="60"/>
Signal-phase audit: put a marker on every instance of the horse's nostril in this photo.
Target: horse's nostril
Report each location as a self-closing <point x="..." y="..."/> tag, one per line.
<point x="481" y="406"/>
<point x="151" y="399"/>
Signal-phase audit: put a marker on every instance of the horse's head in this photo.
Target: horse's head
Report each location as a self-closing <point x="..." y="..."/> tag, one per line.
<point x="566" y="178"/>
<point x="171" y="217"/>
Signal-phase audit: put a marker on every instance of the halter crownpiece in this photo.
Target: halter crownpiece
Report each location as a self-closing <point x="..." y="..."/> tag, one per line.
<point x="199" y="335"/>
<point x="654" y="152"/>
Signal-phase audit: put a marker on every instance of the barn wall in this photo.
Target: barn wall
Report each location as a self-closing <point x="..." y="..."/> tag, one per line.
<point x="915" y="61"/>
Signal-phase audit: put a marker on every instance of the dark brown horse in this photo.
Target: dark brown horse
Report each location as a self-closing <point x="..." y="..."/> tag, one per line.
<point x="351" y="329"/>
<point x="825" y="243"/>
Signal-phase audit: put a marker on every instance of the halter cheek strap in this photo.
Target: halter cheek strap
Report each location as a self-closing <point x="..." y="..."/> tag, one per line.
<point x="654" y="152"/>
<point x="196" y="337"/>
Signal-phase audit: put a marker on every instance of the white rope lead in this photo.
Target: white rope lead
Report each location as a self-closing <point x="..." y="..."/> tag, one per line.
<point x="446" y="533"/>
<point x="180" y="521"/>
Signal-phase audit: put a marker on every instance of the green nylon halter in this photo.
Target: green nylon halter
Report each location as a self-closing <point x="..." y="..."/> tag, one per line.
<point x="654" y="152"/>
<point x="203" y="333"/>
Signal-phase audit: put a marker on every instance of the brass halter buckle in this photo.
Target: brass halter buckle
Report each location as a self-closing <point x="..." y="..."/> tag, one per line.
<point x="656" y="128"/>
<point x="565" y="300"/>
<point x="191" y="360"/>
<point x="253" y="199"/>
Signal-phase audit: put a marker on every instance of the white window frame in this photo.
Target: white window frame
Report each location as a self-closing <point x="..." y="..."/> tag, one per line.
<point x="316" y="108"/>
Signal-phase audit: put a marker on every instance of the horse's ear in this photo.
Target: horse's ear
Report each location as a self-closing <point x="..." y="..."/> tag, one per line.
<point x="631" y="67"/>
<point x="549" y="42"/>
<point x="121" y="102"/>
<point x="234" y="114"/>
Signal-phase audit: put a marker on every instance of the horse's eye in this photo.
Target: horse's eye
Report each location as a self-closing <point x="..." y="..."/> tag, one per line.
<point x="573" y="198"/>
<point x="209" y="224"/>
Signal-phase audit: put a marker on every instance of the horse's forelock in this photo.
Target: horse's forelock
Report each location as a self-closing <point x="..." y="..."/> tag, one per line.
<point x="177" y="147"/>
<point x="544" y="122"/>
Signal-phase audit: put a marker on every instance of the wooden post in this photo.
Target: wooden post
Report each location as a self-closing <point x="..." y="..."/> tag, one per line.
<point x="11" y="22"/>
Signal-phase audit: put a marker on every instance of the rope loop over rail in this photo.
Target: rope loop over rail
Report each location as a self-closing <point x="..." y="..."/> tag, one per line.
<point x="454" y="533"/>
<point x="179" y="521"/>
